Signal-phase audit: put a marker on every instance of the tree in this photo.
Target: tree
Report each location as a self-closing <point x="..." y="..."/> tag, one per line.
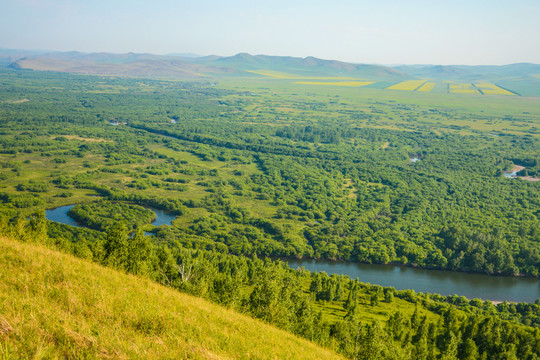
<point x="468" y="350"/>
<point x="389" y="296"/>
<point x="141" y="258"/>
<point x="38" y="228"/>
<point x="374" y="343"/>
<point x="449" y="346"/>
<point x="117" y="247"/>
<point x="352" y="312"/>
<point x="374" y="300"/>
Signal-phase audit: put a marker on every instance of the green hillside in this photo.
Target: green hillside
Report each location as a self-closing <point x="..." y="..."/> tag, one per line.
<point x="53" y="305"/>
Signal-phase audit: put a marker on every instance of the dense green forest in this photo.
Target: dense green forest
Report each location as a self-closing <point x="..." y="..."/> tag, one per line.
<point x="259" y="169"/>
<point x="280" y="171"/>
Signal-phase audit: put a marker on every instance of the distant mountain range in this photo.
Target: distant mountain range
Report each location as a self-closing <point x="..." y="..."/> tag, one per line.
<point x="470" y="72"/>
<point x="189" y="66"/>
<point x="524" y="75"/>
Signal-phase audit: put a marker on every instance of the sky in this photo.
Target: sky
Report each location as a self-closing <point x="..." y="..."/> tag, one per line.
<point x="472" y="32"/>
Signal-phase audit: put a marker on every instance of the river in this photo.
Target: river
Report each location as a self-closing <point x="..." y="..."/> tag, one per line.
<point x="495" y="288"/>
<point x="60" y="215"/>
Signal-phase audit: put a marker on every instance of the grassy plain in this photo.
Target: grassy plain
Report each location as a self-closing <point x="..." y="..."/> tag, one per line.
<point x="445" y="112"/>
<point x="479" y="88"/>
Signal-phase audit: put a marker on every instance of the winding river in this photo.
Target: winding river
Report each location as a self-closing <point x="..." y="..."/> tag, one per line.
<point x="60" y="215"/>
<point x="495" y="288"/>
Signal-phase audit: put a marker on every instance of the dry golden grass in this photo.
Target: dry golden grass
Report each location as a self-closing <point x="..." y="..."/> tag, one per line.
<point x="54" y="305"/>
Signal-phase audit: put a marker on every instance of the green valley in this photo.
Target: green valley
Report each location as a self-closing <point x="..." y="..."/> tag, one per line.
<point x="273" y="159"/>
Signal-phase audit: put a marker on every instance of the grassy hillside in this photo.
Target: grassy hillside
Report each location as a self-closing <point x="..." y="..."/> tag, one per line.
<point x="54" y="305"/>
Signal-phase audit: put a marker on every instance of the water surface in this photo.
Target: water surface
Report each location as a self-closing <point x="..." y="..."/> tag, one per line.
<point x="496" y="288"/>
<point x="60" y="215"/>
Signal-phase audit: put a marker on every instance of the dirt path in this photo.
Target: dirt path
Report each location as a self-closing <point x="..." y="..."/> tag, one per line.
<point x="75" y="137"/>
<point x="529" y="178"/>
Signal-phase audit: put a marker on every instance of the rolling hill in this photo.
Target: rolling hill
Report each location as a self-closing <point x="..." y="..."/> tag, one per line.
<point x="54" y="305"/>
<point x="519" y="79"/>
<point x="140" y="65"/>
<point x="148" y="65"/>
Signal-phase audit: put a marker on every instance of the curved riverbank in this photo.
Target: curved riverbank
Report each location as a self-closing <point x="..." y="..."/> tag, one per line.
<point x="60" y="215"/>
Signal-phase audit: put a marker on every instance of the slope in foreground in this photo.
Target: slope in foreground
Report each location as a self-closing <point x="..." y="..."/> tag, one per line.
<point x="55" y="305"/>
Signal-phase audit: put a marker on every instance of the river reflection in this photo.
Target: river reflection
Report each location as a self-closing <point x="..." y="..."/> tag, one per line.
<point x="496" y="288"/>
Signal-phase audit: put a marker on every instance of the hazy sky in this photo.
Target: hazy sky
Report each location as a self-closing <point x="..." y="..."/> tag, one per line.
<point x="383" y="31"/>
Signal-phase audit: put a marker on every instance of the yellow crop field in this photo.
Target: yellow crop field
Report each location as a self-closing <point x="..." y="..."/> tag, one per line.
<point x="428" y="86"/>
<point x="338" y="83"/>
<point x="409" y="85"/>
<point x="283" y="75"/>
<point x="492" y="89"/>
<point x="497" y="91"/>
<point x="463" y="89"/>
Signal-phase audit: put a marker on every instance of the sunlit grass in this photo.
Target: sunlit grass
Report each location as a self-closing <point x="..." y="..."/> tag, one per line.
<point x="56" y="306"/>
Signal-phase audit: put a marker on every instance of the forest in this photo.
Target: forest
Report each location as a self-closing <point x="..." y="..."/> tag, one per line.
<point x="275" y="173"/>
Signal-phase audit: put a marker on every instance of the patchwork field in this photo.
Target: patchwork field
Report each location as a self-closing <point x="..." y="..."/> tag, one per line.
<point x="284" y="75"/>
<point x="338" y="83"/>
<point x="492" y="89"/>
<point x="423" y="86"/>
<point x="427" y="86"/>
<point x="409" y="85"/>
<point x="463" y="89"/>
